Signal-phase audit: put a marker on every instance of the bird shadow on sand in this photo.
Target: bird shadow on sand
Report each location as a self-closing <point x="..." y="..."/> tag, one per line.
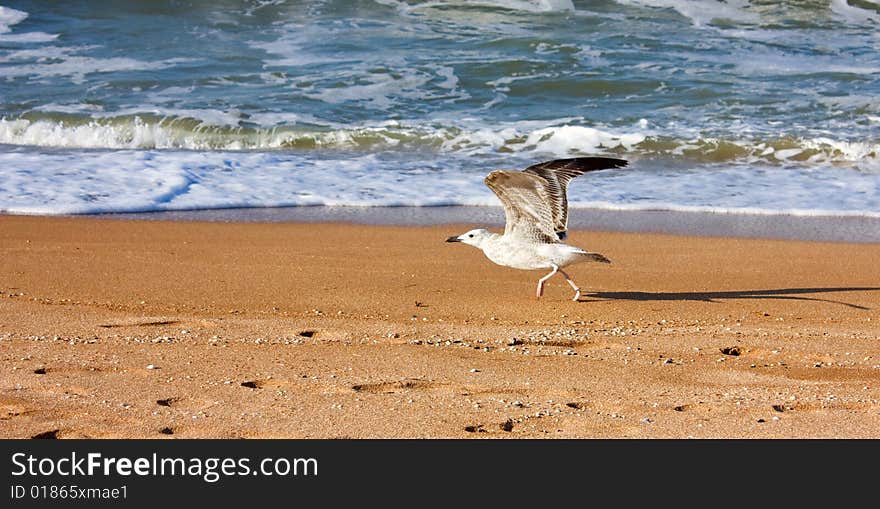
<point x="781" y="293"/>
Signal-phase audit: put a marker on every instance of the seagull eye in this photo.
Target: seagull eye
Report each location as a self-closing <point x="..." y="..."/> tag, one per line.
<point x="471" y="235"/>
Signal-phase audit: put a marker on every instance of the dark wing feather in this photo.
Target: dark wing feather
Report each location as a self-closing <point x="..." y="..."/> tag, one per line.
<point x="558" y="173"/>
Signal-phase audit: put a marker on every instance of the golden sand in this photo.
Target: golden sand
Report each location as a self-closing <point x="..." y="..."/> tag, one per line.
<point x="112" y="328"/>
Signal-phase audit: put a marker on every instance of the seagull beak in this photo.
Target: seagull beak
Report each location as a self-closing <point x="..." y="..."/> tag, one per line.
<point x="453" y="239"/>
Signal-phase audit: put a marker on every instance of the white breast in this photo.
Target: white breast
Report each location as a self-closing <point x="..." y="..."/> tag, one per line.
<point x="529" y="256"/>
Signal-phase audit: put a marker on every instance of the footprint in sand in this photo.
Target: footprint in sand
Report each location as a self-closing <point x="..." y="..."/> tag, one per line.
<point x="506" y="426"/>
<point x="153" y="323"/>
<point x="262" y="384"/>
<point x="62" y="433"/>
<point x="11" y="408"/>
<point x="395" y="387"/>
<point x="51" y="434"/>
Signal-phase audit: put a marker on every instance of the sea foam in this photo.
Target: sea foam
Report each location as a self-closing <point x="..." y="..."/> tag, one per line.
<point x="854" y="14"/>
<point x="85" y="126"/>
<point x="9" y="17"/>
<point x="149" y="180"/>
<point x="514" y="5"/>
<point x="703" y="12"/>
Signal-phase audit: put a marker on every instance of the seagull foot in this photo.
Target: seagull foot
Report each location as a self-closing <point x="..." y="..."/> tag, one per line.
<point x="577" y="295"/>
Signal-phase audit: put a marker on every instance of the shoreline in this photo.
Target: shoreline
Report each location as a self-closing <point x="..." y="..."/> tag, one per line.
<point x="702" y="224"/>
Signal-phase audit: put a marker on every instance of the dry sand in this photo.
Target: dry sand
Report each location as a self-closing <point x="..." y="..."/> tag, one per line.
<point x="112" y="328"/>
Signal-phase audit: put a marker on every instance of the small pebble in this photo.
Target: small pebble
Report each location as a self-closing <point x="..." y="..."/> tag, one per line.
<point x="152" y="366"/>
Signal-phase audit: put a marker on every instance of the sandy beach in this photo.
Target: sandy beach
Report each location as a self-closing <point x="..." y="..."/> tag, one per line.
<point x="123" y="328"/>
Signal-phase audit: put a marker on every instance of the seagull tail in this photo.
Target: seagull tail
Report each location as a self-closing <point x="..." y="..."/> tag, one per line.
<point x="596" y="257"/>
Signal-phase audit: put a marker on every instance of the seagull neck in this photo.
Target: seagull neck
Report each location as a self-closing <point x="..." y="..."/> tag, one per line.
<point x="491" y="237"/>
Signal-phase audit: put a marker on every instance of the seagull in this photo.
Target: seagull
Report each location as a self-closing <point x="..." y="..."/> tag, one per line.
<point x="536" y="218"/>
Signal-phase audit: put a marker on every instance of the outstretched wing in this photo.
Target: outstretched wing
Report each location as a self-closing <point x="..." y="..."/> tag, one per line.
<point x="526" y="205"/>
<point x="556" y="174"/>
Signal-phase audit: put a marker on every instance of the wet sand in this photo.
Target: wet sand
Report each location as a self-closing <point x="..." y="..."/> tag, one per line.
<point x="124" y="328"/>
<point x="857" y="229"/>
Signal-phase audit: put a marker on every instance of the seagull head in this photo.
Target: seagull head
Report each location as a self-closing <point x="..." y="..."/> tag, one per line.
<point x="474" y="237"/>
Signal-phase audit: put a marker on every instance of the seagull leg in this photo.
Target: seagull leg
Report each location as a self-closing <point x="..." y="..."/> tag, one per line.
<point x="577" y="291"/>
<point x="545" y="278"/>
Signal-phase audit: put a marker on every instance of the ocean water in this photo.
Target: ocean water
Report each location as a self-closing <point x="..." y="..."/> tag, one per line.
<point x="740" y="107"/>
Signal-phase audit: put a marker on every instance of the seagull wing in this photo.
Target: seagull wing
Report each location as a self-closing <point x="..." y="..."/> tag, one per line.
<point x="526" y="205"/>
<point x="556" y="175"/>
